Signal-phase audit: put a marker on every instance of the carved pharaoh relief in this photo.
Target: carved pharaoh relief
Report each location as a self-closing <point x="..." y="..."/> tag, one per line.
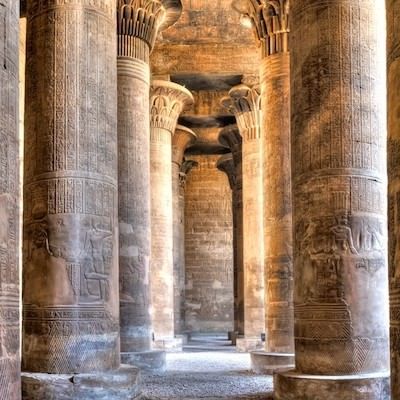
<point x="270" y="20"/>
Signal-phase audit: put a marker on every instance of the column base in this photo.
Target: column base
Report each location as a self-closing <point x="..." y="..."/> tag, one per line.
<point x="122" y="384"/>
<point x="244" y="345"/>
<point x="266" y="363"/>
<point x="184" y="336"/>
<point x="295" y="386"/>
<point x="170" y="345"/>
<point x="152" y="360"/>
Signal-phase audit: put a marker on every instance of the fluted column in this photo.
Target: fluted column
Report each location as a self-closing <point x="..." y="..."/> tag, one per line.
<point x="182" y="138"/>
<point x="166" y="103"/>
<point x="138" y="23"/>
<point x="230" y="137"/>
<point x="70" y="275"/>
<point x="270" y="22"/>
<point x="393" y="84"/>
<point x="245" y="104"/>
<point x="10" y="386"/>
<point x="339" y="200"/>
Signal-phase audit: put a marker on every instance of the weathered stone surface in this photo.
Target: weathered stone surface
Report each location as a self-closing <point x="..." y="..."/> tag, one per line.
<point x="9" y="203"/>
<point x="245" y="104"/>
<point x="294" y="386"/>
<point x="122" y="384"/>
<point x="166" y="103"/>
<point x="70" y="280"/>
<point x="269" y="363"/>
<point x="393" y="19"/>
<point x="182" y="138"/>
<point x="233" y="170"/>
<point x="154" y="360"/>
<point x="208" y="245"/>
<point x="138" y="24"/>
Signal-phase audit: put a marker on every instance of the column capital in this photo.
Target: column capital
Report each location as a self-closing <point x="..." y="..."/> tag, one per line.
<point x="138" y="24"/>
<point x="167" y="101"/>
<point x="230" y="137"/>
<point x="226" y="164"/>
<point x="270" y="20"/>
<point x="245" y="103"/>
<point x="182" y="138"/>
<point x="186" y="167"/>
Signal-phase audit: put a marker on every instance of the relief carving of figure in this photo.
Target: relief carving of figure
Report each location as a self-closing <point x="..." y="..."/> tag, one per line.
<point x="95" y="274"/>
<point x="343" y="240"/>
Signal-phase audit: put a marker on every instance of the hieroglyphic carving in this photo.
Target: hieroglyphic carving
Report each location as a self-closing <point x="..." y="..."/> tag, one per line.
<point x="70" y="189"/>
<point x="270" y="20"/>
<point x="339" y="188"/>
<point x="245" y="104"/>
<point x="167" y="100"/>
<point x="393" y="66"/>
<point x="9" y="203"/>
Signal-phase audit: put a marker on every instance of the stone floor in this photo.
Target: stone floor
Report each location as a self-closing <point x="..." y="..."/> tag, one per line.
<point x="208" y="368"/>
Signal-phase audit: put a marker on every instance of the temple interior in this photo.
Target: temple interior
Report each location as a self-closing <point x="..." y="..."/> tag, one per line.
<point x="199" y="199"/>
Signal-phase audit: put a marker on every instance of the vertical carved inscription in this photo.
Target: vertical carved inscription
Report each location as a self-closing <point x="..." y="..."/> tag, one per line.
<point x="393" y="18"/>
<point x="9" y="203"/>
<point x="70" y="285"/>
<point x="339" y="187"/>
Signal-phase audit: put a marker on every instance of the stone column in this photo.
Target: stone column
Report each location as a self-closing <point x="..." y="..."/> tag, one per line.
<point x="166" y="103"/>
<point x="393" y="84"/>
<point x="230" y="137"/>
<point x="182" y="138"/>
<point x="245" y="104"/>
<point x="70" y="277"/>
<point x="137" y="27"/>
<point x="270" y="22"/>
<point x="10" y="387"/>
<point x="339" y="202"/>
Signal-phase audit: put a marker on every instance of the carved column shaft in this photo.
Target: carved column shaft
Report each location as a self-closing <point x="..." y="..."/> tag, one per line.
<point x="182" y="138"/>
<point x="244" y="103"/>
<point x="339" y="200"/>
<point x="70" y="281"/>
<point x="10" y="387"/>
<point x="393" y="19"/>
<point x="232" y="166"/>
<point x="137" y="26"/>
<point x="167" y="101"/>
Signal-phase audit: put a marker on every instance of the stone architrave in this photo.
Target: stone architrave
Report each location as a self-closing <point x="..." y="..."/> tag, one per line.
<point x="270" y="22"/>
<point x="138" y="23"/>
<point x="393" y="84"/>
<point x="182" y="139"/>
<point x="245" y="104"/>
<point x="10" y="386"/>
<point x="167" y="101"/>
<point x="230" y="138"/>
<point x="71" y="337"/>
<point x="338" y="142"/>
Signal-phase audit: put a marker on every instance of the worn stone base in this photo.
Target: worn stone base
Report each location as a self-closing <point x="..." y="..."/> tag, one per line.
<point x="123" y="384"/>
<point x="294" y="386"/>
<point x="266" y="363"/>
<point x="185" y="338"/>
<point x="155" y="360"/>
<point x="244" y="345"/>
<point x="169" y="345"/>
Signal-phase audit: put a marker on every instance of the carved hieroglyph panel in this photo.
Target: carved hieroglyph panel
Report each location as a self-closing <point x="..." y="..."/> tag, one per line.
<point x="9" y="203"/>
<point x="70" y="285"/>
<point x="339" y="187"/>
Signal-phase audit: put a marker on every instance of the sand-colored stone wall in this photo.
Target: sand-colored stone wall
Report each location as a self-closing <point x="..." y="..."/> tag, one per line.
<point x="209" y="255"/>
